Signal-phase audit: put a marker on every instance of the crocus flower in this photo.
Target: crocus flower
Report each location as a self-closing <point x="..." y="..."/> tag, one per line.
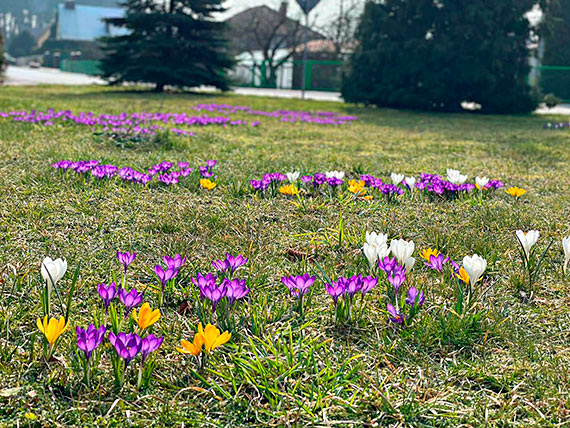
<point x="402" y="250"/>
<point x="164" y="276"/>
<point x="410" y="182"/>
<point x="566" y="248"/>
<point x="409" y="264"/>
<point x="207" y="184"/>
<point x="289" y="189"/>
<point x="436" y="262"/>
<point x="52" y="329"/>
<point x="88" y="340"/>
<point x="235" y="290"/>
<point x="481" y="182"/>
<point x="426" y="253"/>
<point x="368" y="283"/>
<point x="214" y="293"/>
<point x="210" y="338"/>
<point x="378" y="239"/>
<point x="527" y="240"/>
<point x="146" y="316"/>
<point x="396" y="178"/>
<point x="475" y="267"/>
<point x="293" y="176"/>
<point x="130" y="299"/>
<point x="53" y="270"/>
<point x="375" y="252"/>
<point x="150" y="344"/>
<point x="336" y="289"/>
<point x="515" y="192"/>
<point x="235" y="262"/>
<point x="298" y="285"/>
<point x="387" y="264"/>
<point x="397" y="277"/>
<point x="202" y="281"/>
<point x="126" y="258"/>
<point x="126" y="345"/>
<point x="462" y="275"/>
<point x="396" y="316"/>
<point x="455" y="177"/>
<point x="220" y="265"/>
<point x="335" y="174"/>
<point x="413" y="295"/>
<point x="174" y="263"/>
<point x="107" y="293"/>
<point x="353" y="285"/>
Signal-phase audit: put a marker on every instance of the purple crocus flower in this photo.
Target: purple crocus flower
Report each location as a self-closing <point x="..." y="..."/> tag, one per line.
<point x="164" y="276"/>
<point x="396" y="316"/>
<point x="126" y="345"/>
<point x="235" y="262"/>
<point x="88" y="340"/>
<point x="211" y="163"/>
<point x="298" y="285"/>
<point x="235" y="290"/>
<point x="368" y="283"/>
<point x="319" y="179"/>
<point x="202" y="282"/>
<point x="334" y="182"/>
<point x="437" y="263"/>
<point x="397" y="277"/>
<point x="221" y="265"/>
<point x="336" y="289"/>
<point x="353" y="285"/>
<point x="214" y="293"/>
<point x="387" y="264"/>
<point x="126" y="258"/>
<point x="130" y="299"/>
<point x="412" y="295"/>
<point x="306" y="179"/>
<point x="107" y="293"/>
<point x="150" y="344"/>
<point x="175" y="262"/>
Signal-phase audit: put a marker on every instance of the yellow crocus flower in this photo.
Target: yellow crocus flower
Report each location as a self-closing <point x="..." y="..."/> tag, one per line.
<point x="146" y="316"/>
<point x="426" y="253"/>
<point x="52" y="329"/>
<point x="209" y="338"/>
<point x="208" y="184"/>
<point x="463" y="275"/>
<point x="289" y="189"/>
<point x="515" y="191"/>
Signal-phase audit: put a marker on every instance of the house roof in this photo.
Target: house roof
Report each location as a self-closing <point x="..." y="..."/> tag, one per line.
<point x="86" y="22"/>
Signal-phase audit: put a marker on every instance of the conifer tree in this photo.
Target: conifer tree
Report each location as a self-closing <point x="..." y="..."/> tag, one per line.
<point x="169" y="42"/>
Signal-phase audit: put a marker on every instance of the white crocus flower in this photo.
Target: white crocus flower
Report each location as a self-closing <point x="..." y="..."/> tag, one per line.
<point x="402" y="250"/>
<point x="455" y="177"/>
<point x="409" y="264"/>
<point x="374" y="252"/>
<point x="411" y="182"/>
<point x="293" y="176"/>
<point x="527" y="240"/>
<point x="374" y="238"/>
<point x="335" y="174"/>
<point x="396" y="178"/>
<point x="53" y="270"/>
<point x="475" y="267"/>
<point x="481" y="182"/>
<point x="566" y="247"/>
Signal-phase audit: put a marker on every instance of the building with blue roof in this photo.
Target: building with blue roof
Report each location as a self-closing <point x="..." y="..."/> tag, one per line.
<point x="86" y="23"/>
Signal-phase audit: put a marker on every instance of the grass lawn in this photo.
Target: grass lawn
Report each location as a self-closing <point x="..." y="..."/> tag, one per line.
<point x="505" y="363"/>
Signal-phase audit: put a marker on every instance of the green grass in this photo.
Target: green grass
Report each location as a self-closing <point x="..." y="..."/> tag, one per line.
<point x="280" y="369"/>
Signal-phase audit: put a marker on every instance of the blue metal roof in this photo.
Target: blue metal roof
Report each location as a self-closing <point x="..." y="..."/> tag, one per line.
<point x="86" y="22"/>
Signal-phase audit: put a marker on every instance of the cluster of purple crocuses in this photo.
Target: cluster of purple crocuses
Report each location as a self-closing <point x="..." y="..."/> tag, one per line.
<point x="230" y="288"/>
<point x="163" y="172"/>
<point x="125" y="123"/>
<point x="436" y="184"/>
<point x="396" y="275"/>
<point x="319" y="117"/>
<point x="127" y="345"/>
<point x="273" y="180"/>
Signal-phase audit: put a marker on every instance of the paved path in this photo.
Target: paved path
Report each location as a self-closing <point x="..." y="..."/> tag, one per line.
<point x="50" y="76"/>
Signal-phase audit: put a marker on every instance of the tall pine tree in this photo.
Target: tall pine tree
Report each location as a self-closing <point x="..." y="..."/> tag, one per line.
<point x="434" y="54"/>
<point x="556" y="48"/>
<point x="169" y="42"/>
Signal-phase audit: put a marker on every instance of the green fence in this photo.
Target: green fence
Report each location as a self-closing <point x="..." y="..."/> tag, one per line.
<point x="320" y="75"/>
<point x="85" y="66"/>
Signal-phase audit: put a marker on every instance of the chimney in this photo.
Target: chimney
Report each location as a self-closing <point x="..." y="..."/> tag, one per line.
<point x="283" y="8"/>
<point x="70" y="4"/>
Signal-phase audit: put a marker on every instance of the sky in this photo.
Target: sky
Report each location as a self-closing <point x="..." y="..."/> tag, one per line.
<point x="321" y="13"/>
